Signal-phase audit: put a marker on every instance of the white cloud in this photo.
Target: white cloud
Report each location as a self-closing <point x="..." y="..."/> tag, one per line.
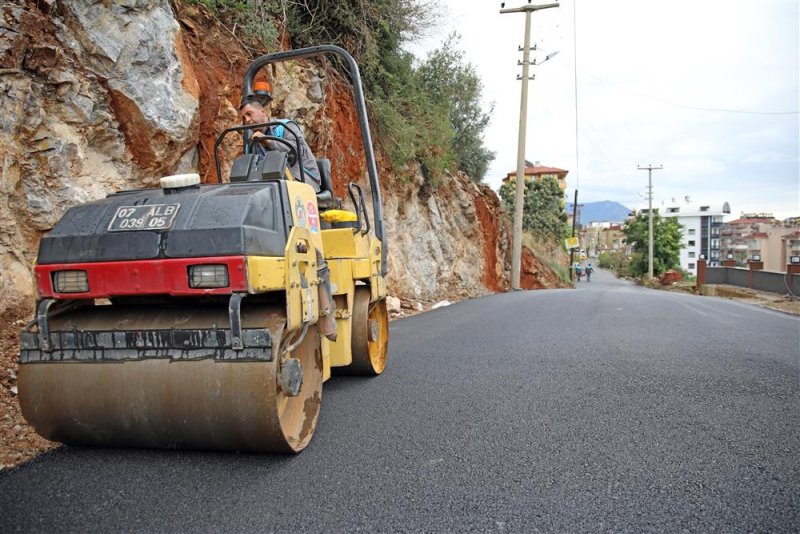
<point x="642" y="67"/>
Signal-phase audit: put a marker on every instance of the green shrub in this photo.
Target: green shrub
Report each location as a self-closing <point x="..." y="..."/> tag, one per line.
<point x="667" y="235"/>
<point x="543" y="213"/>
<point x="250" y="20"/>
<point x="618" y="262"/>
<point x="428" y="113"/>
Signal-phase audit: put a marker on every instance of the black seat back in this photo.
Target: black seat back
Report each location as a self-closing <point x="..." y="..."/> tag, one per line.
<point x="325" y="198"/>
<point x="324" y="165"/>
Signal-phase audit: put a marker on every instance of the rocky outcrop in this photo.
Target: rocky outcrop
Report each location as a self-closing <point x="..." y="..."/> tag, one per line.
<point x="445" y="241"/>
<point x="97" y="97"/>
<point x="100" y="96"/>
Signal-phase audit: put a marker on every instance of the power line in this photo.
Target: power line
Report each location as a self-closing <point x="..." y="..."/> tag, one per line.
<point x="575" y="64"/>
<point x="685" y="106"/>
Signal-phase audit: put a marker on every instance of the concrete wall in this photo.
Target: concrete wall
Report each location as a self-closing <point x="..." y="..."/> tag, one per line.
<point x="762" y="280"/>
<point x="739" y="277"/>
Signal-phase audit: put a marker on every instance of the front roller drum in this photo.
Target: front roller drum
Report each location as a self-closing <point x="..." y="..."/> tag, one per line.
<point x="370" y="335"/>
<point x="161" y="403"/>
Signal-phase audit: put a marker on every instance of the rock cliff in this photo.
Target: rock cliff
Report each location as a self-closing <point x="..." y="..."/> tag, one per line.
<point x="100" y="96"/>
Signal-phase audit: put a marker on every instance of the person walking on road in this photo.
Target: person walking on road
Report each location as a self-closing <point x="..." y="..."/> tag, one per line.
<point x="578" y="271"/>
<point x="589" y="271"/>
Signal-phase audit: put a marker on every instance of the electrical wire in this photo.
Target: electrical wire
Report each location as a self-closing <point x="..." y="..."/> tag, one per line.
<point x="575" y="78"/>
<point x="685" y="106"/>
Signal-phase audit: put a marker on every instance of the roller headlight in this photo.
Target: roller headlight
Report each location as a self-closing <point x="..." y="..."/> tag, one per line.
<point x="207" y="276"/>
<point x="70" y="282"/>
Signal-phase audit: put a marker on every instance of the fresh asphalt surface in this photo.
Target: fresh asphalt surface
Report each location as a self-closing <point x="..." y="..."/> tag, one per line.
<point x="606" y="408"/>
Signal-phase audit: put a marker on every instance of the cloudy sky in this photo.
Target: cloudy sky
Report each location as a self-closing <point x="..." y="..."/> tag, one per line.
<point x="709" y="89"/>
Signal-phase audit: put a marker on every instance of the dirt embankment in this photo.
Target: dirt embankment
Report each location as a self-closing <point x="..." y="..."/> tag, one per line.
<point x="18" y="441"/>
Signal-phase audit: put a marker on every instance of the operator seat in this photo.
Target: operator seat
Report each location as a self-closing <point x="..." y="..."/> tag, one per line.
<point x="325" y="199"/>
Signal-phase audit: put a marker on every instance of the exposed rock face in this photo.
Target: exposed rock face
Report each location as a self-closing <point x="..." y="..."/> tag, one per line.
<point x="99" y="96"/>
<point x="438" y="241"/>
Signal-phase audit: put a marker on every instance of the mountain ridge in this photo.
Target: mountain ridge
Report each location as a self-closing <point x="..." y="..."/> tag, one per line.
<point x="600" y="211"/>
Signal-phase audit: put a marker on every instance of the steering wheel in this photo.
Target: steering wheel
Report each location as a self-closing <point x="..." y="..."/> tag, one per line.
<point x="293" y="156"/>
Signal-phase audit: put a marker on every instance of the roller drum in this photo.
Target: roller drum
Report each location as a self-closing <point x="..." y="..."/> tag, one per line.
<point x="161" y="402"/>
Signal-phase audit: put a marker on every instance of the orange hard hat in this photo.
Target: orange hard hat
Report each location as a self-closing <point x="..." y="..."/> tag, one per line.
<point x="262" y="86"/>
<point x="262" y="93"/>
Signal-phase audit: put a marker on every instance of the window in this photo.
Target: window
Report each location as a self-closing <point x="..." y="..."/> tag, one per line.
<point x="704" y="208"/>
<point x="691" y="254"/>
<point x="673" y="210"/>
<point x="691" y="266"/>
<point x="691" y="231"/>
<point x="692" y="243"/>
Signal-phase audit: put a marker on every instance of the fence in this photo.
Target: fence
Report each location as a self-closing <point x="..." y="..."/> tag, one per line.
<point x="773" y="282"/>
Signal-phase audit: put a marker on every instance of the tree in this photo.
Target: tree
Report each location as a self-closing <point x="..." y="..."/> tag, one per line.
<point x="455" y="86"/>
<point x="543" y="213"/>
<point x="667" y="235"/>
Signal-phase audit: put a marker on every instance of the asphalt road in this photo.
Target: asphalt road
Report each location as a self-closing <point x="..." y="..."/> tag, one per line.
<point x="605" y="408"/>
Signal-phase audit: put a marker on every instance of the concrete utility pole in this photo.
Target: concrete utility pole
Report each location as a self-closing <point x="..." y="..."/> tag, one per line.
<point x="574" y="222"/>
<point x="650" y="168"/>
<point x="516" y="251"/>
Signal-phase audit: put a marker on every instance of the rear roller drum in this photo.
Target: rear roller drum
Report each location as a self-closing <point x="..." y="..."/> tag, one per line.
<point x="370" y="335"/>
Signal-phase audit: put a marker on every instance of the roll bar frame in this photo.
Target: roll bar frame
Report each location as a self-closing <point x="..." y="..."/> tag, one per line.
<point x="358" y="92"/>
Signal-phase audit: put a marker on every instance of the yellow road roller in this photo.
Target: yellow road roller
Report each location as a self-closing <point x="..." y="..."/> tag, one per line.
<point x="208" y="316"/>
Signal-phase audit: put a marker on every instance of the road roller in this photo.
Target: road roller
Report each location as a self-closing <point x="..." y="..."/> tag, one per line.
<point x="209" y="315"/>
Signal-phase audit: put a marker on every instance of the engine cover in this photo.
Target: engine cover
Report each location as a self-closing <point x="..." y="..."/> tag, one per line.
<point x="250" y="218"/>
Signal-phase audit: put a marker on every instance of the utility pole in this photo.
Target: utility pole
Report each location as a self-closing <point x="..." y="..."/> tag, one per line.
<point x="574" y="221"/>
<point x="516" y="251"/>
<point x="650" y="168"/>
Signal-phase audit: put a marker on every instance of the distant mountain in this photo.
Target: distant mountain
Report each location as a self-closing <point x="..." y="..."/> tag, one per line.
<point x="605" y="210"/>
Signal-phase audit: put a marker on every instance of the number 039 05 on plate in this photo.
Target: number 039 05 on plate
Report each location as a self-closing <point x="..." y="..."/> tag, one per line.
<point x="150" y="217"/>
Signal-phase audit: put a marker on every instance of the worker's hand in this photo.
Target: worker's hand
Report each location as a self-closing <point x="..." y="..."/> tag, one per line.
<point x="267" y="143"/>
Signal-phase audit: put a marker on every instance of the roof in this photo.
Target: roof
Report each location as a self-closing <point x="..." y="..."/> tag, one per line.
<point x="541" y="170"/>
<point x="754" y="220"/>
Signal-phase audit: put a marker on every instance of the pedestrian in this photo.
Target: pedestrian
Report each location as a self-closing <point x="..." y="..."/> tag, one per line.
<point x="578" y="271"/>
<point x="589" y="271"/>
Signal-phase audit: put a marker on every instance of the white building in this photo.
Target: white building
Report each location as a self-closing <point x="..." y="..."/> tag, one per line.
<point x="701" y="228"/>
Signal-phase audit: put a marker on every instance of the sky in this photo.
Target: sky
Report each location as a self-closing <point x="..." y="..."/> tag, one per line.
<point x="708" y="89"/>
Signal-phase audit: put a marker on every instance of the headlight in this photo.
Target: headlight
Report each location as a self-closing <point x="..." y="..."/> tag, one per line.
<point x="204" y="276"/>
<point x="70" y="282"/>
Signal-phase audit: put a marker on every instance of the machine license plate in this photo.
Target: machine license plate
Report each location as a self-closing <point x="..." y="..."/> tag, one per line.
<point x="150" y="217"/>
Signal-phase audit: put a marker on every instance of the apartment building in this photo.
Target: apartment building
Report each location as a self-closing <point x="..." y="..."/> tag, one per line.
<point x="701" y="224"/>
<point x="606" y="236"/>
<point x="761" y="235"/>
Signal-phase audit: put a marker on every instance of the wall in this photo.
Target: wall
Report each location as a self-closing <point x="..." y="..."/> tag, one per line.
<point x="774" y="282"/>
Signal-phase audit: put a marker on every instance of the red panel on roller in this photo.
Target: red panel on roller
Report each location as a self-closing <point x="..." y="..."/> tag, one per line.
<point x="148" y="277"/>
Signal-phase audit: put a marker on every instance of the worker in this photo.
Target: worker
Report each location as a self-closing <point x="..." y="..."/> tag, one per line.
<point x="254" y="109"/>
